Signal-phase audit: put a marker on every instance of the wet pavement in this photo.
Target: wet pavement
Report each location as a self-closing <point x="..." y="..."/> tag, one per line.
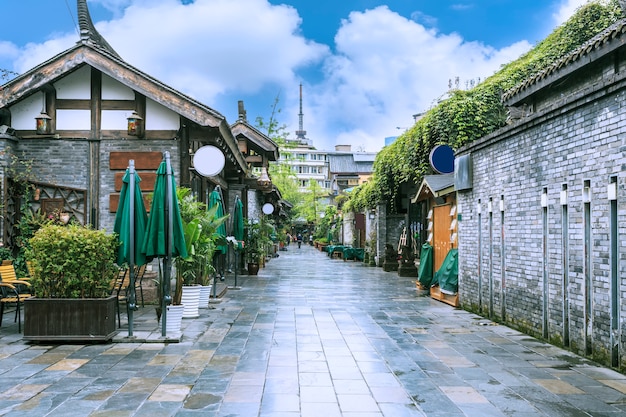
<point x="309" y="336"/>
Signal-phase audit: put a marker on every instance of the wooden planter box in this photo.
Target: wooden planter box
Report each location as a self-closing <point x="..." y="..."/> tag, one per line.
<point x="62" y="319"/>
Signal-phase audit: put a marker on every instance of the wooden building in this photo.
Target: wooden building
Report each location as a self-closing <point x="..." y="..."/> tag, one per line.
<point x="71" y="124"/>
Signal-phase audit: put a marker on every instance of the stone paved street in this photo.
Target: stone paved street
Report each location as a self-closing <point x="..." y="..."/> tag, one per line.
<point x="309" y="336"/>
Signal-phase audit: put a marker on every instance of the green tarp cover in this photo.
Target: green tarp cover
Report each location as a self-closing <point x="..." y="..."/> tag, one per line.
<point x="353" y="253"/>
<point x="425" y="273"/>
<point x="448" y="274"/>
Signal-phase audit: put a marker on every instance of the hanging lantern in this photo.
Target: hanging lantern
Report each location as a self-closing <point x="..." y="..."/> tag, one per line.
<point x="44" y="123"/>
<point x="264" y="179"/>
<point x="135" y="125"/>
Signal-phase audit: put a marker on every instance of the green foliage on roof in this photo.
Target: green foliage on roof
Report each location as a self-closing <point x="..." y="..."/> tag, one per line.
<point x="469" y="115"/>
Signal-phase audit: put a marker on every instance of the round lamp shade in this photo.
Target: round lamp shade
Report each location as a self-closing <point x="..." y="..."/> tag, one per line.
<point x="268" y="208"/>
<point x="208" y="161"/>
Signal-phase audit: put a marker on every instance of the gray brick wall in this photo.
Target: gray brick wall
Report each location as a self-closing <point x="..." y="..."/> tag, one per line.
<point x="107" y="181"/>
<point x="576" y="138"/>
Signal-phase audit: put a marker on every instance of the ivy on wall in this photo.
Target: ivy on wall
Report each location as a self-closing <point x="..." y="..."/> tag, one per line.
<point x="469" y="115"/>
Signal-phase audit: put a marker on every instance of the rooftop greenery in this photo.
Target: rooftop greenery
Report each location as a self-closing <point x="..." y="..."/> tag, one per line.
<point x="468" y="115"/>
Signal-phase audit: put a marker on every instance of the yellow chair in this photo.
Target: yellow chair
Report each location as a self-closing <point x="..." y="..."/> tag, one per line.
<point x="9" y="294"/>
<point x="119" y="288"/>
<point x="8" y="274"/>
<point x="139" y="274"/>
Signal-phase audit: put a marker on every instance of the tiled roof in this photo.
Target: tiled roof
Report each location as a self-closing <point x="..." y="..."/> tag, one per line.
<point x="347" y="163"/>
<point x="610" y="34"/>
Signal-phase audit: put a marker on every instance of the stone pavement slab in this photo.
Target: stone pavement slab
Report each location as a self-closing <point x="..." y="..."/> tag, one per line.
<point x="309" y="336"/>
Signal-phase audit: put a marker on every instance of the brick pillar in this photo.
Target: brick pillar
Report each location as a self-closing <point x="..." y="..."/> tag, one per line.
<point x="381" y="233"/>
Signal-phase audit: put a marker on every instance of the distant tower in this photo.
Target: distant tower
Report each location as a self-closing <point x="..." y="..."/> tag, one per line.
<point x="301" y="133"/>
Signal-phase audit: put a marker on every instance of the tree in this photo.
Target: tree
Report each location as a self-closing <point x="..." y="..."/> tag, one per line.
<point x="312" y="206"/>
<point x="277" y="132"/>
<point x="6" y="74"/>
<point x="281" y="172"/>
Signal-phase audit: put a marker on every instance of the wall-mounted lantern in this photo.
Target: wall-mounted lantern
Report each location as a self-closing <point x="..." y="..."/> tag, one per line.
<point x="135" y="125"/>
<point x="372" y="214"/>
<point x="44" y="123"/>
<point x="264" y="179"/>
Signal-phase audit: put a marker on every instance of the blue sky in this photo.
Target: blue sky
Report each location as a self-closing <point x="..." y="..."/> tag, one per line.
<point x="366" y="66"/>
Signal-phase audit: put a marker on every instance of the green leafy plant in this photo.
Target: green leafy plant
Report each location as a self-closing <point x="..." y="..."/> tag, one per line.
<point x="257" y="239"/>
<point x="200" y="227"/>
<point x="72" y="262"/>
<point x="469" y="115"/>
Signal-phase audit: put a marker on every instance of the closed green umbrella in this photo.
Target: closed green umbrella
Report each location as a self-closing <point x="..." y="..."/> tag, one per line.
<point x="130" y="227"/>
<point x="237" y="231"/>
<point x="164" y="236"/>
<point x="215" y="199"/>
<point x="238" y="219"/>
<point x="155" y="242"/>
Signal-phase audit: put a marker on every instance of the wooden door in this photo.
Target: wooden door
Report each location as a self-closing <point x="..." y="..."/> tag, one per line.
<point x="441" y="234"/>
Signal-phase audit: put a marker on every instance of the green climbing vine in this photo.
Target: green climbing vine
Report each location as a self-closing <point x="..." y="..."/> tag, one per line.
<point x="469" y="115"/>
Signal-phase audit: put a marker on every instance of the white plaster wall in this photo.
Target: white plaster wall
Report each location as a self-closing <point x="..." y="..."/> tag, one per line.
<point x="115" y="119"/>
<point x="77" y="85"/>
<point x="159" y="117"/>
<point x="24" y="112"/>
<point x="114" y="90"/>
<point x="73" y="120"/>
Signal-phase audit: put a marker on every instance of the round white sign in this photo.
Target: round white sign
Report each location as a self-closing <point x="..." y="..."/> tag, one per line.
<point x="208" y="161"/>
<point x="268" y="208"/>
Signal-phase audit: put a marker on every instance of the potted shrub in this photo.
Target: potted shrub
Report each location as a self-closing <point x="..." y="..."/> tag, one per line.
<point x="74" y="269"/>
<point x="257" y="240"/>
<point x="194" y="272"/>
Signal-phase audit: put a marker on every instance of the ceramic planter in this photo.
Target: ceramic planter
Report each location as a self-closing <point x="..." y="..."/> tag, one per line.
<point x="191" y="299"/>
<point x="205" y="294"/>
<point x="174" y="319"/>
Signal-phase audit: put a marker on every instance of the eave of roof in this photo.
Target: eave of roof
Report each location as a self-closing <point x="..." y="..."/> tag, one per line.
<point x="260" y="139"/>
<point x="88" y="54"/>
<point x="435" y="186"/>
<point x="603" y="43"/>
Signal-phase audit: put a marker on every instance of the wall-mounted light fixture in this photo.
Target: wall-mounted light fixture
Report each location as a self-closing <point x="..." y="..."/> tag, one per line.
<point x="611" y="190"/>
<point x="135" y="125"/>
<point x="43" y="121"/>
<point x="372" y="214"/>
<point x="268" y="208"/>
<point x="264" y="179"/>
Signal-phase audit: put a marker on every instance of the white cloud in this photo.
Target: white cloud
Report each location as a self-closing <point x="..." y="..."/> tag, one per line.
<point x="8" y="50"/>
<point x="385" y="69"/>
<point x="567" y="9"/>
<point x="377" y="81"/>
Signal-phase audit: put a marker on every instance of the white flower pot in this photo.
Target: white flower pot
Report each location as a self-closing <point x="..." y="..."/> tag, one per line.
<point x="174" y="320"/>
<point x="205" y="294"/>
<point x="190" y="299"/>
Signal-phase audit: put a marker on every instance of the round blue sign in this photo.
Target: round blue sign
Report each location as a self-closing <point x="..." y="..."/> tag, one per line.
<point x="442" y="159"/>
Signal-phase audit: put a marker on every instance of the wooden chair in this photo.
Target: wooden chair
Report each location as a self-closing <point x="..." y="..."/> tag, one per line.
<point x="139" y="273"/>
<point x="8" y="274"/>
<point x="119" y="288"/>
<point x="9" y="294"/>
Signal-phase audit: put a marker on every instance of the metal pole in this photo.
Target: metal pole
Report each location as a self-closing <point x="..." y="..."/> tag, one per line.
<point x="236" y="265"/>
<point x="169" y="206"/>
<point x="131" y="243"/>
